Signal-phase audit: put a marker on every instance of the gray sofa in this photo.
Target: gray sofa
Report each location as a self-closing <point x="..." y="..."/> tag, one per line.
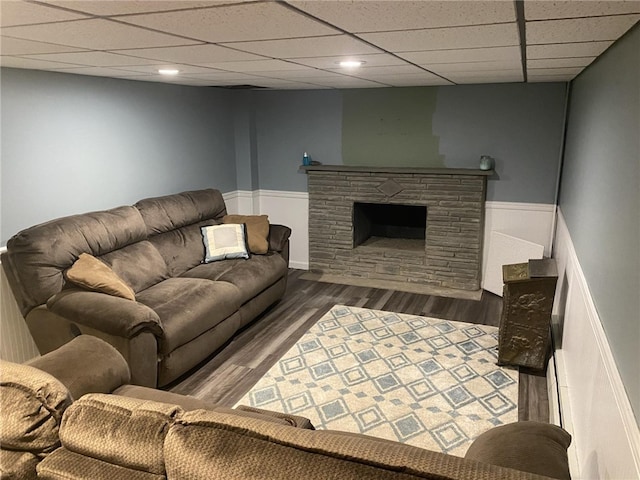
<point x="184" y="310"/>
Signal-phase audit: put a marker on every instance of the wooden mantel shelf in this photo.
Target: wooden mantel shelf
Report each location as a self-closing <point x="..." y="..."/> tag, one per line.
<point x="418" y="170"/>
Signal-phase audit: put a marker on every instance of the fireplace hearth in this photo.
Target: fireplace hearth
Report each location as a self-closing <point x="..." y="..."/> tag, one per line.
<point x="408" y="225"/>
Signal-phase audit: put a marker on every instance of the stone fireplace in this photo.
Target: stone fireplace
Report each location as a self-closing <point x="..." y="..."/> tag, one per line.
<point x="406" y="225"/>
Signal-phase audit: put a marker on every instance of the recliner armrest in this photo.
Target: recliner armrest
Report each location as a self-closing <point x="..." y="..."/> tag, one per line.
<point x="278" y="237"/>
<point x="86" y="364"/>
<point x="106" y="313"/>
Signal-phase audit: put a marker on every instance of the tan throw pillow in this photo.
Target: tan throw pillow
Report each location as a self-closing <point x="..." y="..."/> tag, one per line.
<point x="257" y="230"/>
<point x="90" y="273"/>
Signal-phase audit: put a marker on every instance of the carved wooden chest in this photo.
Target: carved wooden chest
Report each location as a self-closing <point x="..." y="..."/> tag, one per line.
<point x="524" y="336"/>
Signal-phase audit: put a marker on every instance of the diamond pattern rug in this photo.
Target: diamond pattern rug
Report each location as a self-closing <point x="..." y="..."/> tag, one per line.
<point x="423" y="381"/>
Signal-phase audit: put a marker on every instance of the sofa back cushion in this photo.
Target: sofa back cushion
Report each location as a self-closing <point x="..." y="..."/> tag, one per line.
<point x="251" y="448"/>
<point x="173" y="225"/>
<point x="32" y="403"/>
<point x="37" y="257"/>
<point x="127" y="432"/>
<point x="139" y="265"/>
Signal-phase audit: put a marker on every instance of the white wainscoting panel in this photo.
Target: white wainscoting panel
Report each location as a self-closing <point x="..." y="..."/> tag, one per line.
<point x="290" y="209"/>
<point x="594" y="405"/>
<point x="16" y="343"/>
<point x="529" y="222"/>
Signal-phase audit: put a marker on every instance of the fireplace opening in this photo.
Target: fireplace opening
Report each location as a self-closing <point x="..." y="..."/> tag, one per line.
<point x="389" y="225"/>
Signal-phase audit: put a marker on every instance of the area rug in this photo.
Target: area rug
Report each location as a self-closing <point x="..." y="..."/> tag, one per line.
<point x="423" y="381"/>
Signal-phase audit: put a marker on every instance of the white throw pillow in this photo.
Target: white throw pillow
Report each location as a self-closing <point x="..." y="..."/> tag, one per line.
<point x="224" y="241"/>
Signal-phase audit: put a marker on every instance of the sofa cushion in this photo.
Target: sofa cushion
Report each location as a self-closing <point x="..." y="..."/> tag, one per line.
<point x="90" y="273"/>
<point x="162" y="214"/>
<point x="188" y="307"/>
<point x="67" y="465"/>
<point x="181" y="248"/>
<point x="534" y="447"/>
<point x="140" y="265"/>
<point x="119" y="430"/>
<point x="16" y="465"/>
<point x="246" y="448"/>
<point x="36" y="401"/>
<point x="224" y="241"/>
<point x="257" y="231"/>
<point x="256" y="274"/>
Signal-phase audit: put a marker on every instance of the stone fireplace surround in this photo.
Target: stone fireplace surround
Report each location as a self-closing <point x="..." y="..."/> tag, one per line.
<point x="452" y="253"/>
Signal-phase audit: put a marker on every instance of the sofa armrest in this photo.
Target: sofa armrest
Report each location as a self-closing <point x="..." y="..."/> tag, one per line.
<point x="278" y="237"/>
<point x="86" y="364"/>
<point x="106" y="313"/>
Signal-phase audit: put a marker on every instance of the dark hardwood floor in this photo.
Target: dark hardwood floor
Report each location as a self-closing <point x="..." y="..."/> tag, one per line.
<point x="235" y="368"/>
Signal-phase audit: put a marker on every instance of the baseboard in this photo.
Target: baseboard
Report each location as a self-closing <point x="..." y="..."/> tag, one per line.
<point x="594" y="405"/>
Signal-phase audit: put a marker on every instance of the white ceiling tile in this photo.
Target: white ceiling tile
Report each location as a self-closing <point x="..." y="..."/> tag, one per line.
<point x="257" y="66"/>
<point x="240" y="22"/>
<point x="95" y="34"/>
<point x="338" y="45"/>
<point x="95" y="58"/>
<point x="476" y="79"/>
<point x="153" y="69"/>
<point x="565" y="50"/>
<point x="300" y="74"/>
<point x="579" y="29"/>
<point x="97" y="71"/>
<point x="560" y="62"/>
<point x="344" y="82"/>
<point x="446" y="38"/>
<point x="484" y="67"/>
<point x="385" y="70"/>
<point x="463" y="55"/>
<point x="227" y="77"/>
<point x="18" y="46"/>
<point x="375" y="59"/>
<point x="499" y="76"/>
<point x="412" y="80"/>
<point x="549" y="78"/>
<point x="555" y="71"/>
<point x="120" y="7"/>
<point x="14" y="12"/>
<point x="543" y="10"/>
<point x="375" y="16"/>
<point x="193" y="54"/>
<point x="31" y="63"/>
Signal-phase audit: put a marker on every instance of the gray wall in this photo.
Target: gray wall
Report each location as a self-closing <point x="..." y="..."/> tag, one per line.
<point x="72" y="144"/>
<point x="520" y="125"/>
<point x="289" y="123"/>
<point x="600" y="196"/>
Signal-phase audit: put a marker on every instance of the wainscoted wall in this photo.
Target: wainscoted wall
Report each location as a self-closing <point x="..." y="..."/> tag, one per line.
<point x="594" y="405"/>
<point x="286" y="208"/>
<point x="16" y="344"/>
<point x="530" y="221"/>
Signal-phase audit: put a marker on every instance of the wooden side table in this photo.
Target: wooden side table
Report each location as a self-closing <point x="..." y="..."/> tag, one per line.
<point x="524" y="336"/>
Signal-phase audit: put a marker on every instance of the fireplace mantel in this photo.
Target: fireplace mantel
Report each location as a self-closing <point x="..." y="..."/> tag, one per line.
<point x="392" y="170"/>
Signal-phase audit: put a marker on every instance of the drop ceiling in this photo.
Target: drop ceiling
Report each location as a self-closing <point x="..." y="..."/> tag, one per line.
<point x="299" y="44"/>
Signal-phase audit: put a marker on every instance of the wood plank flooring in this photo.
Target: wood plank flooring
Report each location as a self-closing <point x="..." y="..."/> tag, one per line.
<point x="236" y="367"/>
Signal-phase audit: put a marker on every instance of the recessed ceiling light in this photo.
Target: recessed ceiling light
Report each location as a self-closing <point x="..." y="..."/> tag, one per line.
<point x="168" y="71"/>
<point x="351" y="63"/>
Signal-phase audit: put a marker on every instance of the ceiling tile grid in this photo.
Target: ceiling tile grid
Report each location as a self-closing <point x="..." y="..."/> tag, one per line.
<point x="296" y="44"/>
